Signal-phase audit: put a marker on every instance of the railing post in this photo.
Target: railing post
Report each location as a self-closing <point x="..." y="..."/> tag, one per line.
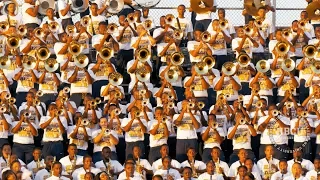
<point x="274" y="14"/>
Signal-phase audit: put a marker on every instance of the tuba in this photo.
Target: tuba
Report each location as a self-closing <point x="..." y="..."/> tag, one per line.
<point x="51" y="65"/>
<point x="22" y="30"/>
<point x="79" y="6"/>
<point x="309" y="51"/>
<point x="263" y="66"/>
<point x="43" y="53"/>
<point x="143" y="54"/>
<point x="171" y="76"/>
<point x="106" y="53"/>
<point x="201" y="68"/>
<point x="142" y="74"/>
<point x="282" y="48"/>
<point x="205" y="36"/>
<point x="115" y="6"/>
<point x="243" y="59"/>
<point x="112" y="28"/>
<point x="315" y="67"/>
<point x="70" y="30"/>
<point x="198" y="6"/>
<point x="210" y="61"/>
<point x="44" y="5"/>
<point x="13" y="42"/>
<point x="39" y="33"/>
<point x="169" y="18"/>
<point x="5" y="62"/>
<point x="85" y="21"/>
<point x="81" y="61"/>
<point x="29" y="62"/>
<point x="4" y="26"/>
<point x="288" y="65"/>
<point x="177" y="58"/>
<point x="223" y="24"/>
<point x="228" y="68"/>
<point x="75" y="48"/>
<point x="115" y="78"/>
<point x="53" y="26"/>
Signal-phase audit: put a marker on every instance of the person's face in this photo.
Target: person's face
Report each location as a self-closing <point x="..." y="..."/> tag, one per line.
<point x="6" y="150"/>
<point x="187" y="173"/>
<point x="11" y="8"/>
<point x="181" y="10"/>
<point x="283" y="166"/>
<point x="304" y="15"/>
<point x="211" y="120"/>
<point x="166" y="163"/>
<point x="36" y="154"/>
<point x="50" y="13"/>
<point x="72" y="150"/>
<point x="278" y="35"/>
<point x="297" y="154"/>
<point x="106" y="153"/>
<point x="16" y="167"/>
<point x="248" y="164"/>
<point x="210" y="168"/>
<point x="246" y="178"/>
<point x="296" y="170"/>
<point x="316" y="164"/>
<point x="215" y="153"/>
<point x="242" y="172"/>
<point x="221" y="14"/>
<point x="53" y="109"/>
<point x="103" y="122"/>
<point x="240" y="32"/>
<point x="111" y="108"/>
<point x="102" y="28"/>
<point x="191" y="154"/>
<point x="271" y="108"/>
<point x="197" y="35"/>
<point x="88" y="176"/>
<point x="261" y="12"/>
<point x="30" y="32"/>
<point x="162" y="21"/>
<point x="164" y="151"/>
<point x="48" y="161"/>
<point x="93" y="9"/>
<point x="269" y="151"/>
<point x="30" y="97"/>
<point x="145" y="12"/>
<point x="136" y="152"/>
<point x="57" y="169"/>
<point x="295" y="26"/>
<point x="122" y="19"/>
<point x="158" y="113"/>
<point x="103" y="176"/>
<point x="215" y="25"/>
<point x="129" y="168"/>
<point x="87" y="162"/>
<point x="242" y="154"/>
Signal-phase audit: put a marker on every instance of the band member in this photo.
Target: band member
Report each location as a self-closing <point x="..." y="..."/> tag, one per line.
<point x="255" y="33"/>
<point x="95" y="19"/>
<point x="166" y="171"/>
<point x="221" y="166"/>
<point x="283" y="171"/>
<point x="64" y="7"/>
<point x="184" y="24"/>
<point x="143" y="167"/>
<point x="198" y="48"/>
<point x="243" y="43"/>
<point x="143" y="40"/>
<point x="33" y="107"/>
<point x="164" y="152"/>
<point x="37" y="163"/>
<point x="6" y="157"/>
<point x="72" y="161"/>
<point x="313" y="174"/>
<point x="210" y="172"/>
<point x="308" y="27"/>
<point x="56" y="172"/>
<point x="198" y="167"/>
<point x="29" y="11"/>
<point x="228" y="26"/>
<point x="268" y="165"/>
<point x="145" y="16"/>
<point x="306" y="165"/>
<point x="300" y="37"/>
<point x="249" y="164"/>
<point x="296" y="172"/>
<point x="106" y="164"/>
<point x="164" y="29"/>
<point x="203" y="19"/>
<point x="287" y="84"/>
<point x="129" y="171"/>
<point x="44" y="172"/>
<point x="12" y="18"/>
<point x="87" y="167"/>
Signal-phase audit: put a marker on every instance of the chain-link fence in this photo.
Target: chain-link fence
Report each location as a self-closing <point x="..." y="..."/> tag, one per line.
<point x="286" y="11"/>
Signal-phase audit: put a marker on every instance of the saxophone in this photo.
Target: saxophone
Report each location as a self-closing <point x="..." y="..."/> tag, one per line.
<point x="74" y="162"/>
<point x="108" y="169"/>
<point x="194" y="169"/>
<point x="217" y="164"/>
<point x="139" y="168"/>
<point x="38" y="164"/>
<point x="8" y="161"/>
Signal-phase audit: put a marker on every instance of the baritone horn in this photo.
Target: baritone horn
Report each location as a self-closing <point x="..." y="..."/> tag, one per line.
<point x="315" y="67"/>
<point x="228" y="68"/>
<point x="243" y="59"/>
<point x="28" y="62"/>
<point x="75" y="48"/>
<point x="210" y="61"/>
<point x="106" y="53"/>
<point x="53" y="26"/>
<point x="302" y="24"/>
<point x="169" y="18"/>
<point x="43" y="53"/>
<point x="286" y="33"/>
<point x="51" y="65"/>
<point x="205" y="36"/>
<point x="309" y="51"/>
<point x="12" y="100"/>
<point x="131" y="18"/>
<point x="178" y="34"/>
<point x="263" y="66"/>
<point x="288" y="65"/>
<point x="143" y="54"/>
<point x="142" y="74"/>
<point x="177" y="58"/>
<point x="115" y="78"/>
<point x="258" y="22"/>
<point x="111" y="28"/>
<point x="71" y="30"/>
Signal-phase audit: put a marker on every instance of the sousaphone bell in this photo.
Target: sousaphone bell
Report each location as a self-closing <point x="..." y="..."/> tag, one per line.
<point x="79" y="6"/>
<point x="45" y="5"/>
<point x="115" y="6"/>
<point x="310" y="51"/>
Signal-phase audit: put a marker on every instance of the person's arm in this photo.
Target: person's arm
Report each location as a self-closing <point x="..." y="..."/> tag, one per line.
<point x="27" y="49"/>
<point x="73" y="77"/>
<point x="47" y="123"/>
<point x="33" y="11"/>
<point x="66" y="9"/>
<point x="236" y="86"/>
<point x="264" y="125"/>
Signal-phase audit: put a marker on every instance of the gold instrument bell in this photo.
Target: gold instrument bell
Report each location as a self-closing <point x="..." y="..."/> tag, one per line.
<point x="85" y="21"/>
<point x="51" y="65"/>
<point x="143" y="54"/>
<point x="282" y="48"/>
<point x="244" y="59"/>
<point x="228" y="68"/>
<point x="177" y="58"/>
<point x="112" y="28"/>
<point x="205" y="36"/>
<point x="148" y="24"/>
<point x="263" y="66"/>
<point x="178" y="34"/>
<point x="315" y="67"/>
<point x="223" y="24"/>
<point x="28" y="62"/>
<point x="22" y="30"/>
<point x="198" y="5"/>
<point x="53" y="26"/>
<point x="169" y="18"/>
<point x="4" y="26"/>
<point x="106" y="53"/>
<point x="248" y="30"/>
<point x="131" y="18"/>
<point x="201" y="68"/>
<point x="115" y="6"/>
<point x="142" y="74"/>
<point x="288" y="65"/>
<point x="171" y="76"/>
<point x="286" y="33"/>
<point x="43" y="53"/>
<point x="258" y="22"/>
<point x="210" y="61"/>
<point x="313" y="10"/>
<point x="75" y="48"/>
<point x="13" y="42"/>
<point x="39" y="33"/>
<point x="115" y="78"/>
<point x="81" y="61"/>
<point x="309" y="51"/>
<point x="5" y="62"/>
<point x="70" y="30"/>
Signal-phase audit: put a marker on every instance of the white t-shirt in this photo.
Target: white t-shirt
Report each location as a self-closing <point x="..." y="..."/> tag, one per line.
<point x="4" y="133"/>
<point x="199" y="91"/>
<point x="279" y="175"/>
<point x="301" y="135"/>
<point x="105" y="141"/>
<point x="264" y="90"/>
<point x="291" y="177"/>
<point x="62" y="4"/>
<point x="81" y="84"/>
<point x="192" y="45"/>
<point x="286" y="85"/>
<point x="172" y="48"/>
<point x="227" y="87"/>
<point x="52" y="132"/>
<point x="241" y="138"/>
<point x="58" y="178"/>
<point x="94" y="23"/>
<point x="177" y="83"/>
<point x="272" y="45"/>
<point x="306" y="72"/>
<point x="212" y="140"/>
<point x="24" y="135"/>
<point x="49" y="86"/>
<point x="79" y="141"/>
<point x="199" y="165"/>
<point x="34" y="118"/>
<point x="135" y="133"/>
<point x="274" y="134"/>
<point x="172" y="172"/>
<point x="229" y="27"/>
<point x="26" y="17"/>
<point x="157" y="165"/>
<point x="32" y="166"/>
<point x="14" y="20"/>
<point x="219" y="47"/>
<point x="185" y="24"/>
<point x="115" y="166"/>
<point x="125" y="43"/>
<point x="300" y="42"/>
<point x="186" y="129"/>
<point x="67" y="164"/>
<point x="25" y="82"/>
<point x="159" y="30"/>
<point x="79" y="173"/>
<point x="47" y="20"/>
<point x="159" y="138"/>
<point x="206" y="15"/>
<point x="306" y="164"/>
<point x="247" y="46"/>
<point x="42" y="174"/>
<point x="312" y="174"/>
<point x="244" y="73"/>
<point x="233" y="171"/>
<point x="264" y="166"/>
<point x="205" y="176"/>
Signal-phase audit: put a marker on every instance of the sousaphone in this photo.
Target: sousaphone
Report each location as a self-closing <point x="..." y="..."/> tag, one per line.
<point x="115" y="6"/>
<point x="46" y="4"/>
<point x="6" y="3"/>
<point x="252" y="7"/>
<point x="147" y="3"/>
<point x="79" y="6"/>
<point x="313" y="10"/>
<point x="196" y="5"/>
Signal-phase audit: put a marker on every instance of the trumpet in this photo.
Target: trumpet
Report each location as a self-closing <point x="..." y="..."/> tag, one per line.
<point x="27" y="114"/>
<point x="4" y="26"/>
<point x="286" y="33"/>
<point x="148" y="24"/>
<point x="240" y="98"/>
<point x="137" y="114"/>
<point x="117" y="111"/>
<point x="112" y="28"/>
<point x="97" y="100"/>
<point x="304" y="114"/>
<point x="39" y="93"/>
<point x="85" y="21"/>
<point x="259" y="104"/>
<point x="75" y="48"/>
<point x="3" y="109"/>
<point x="289" y="105"/>
<point x="8" y="96"/>
<point x="115" y="78"/>
<point x="59" y="112"/>
<point x="118" y="95"/>
<point x="36" y="102"/>
<point x="85" y="122"/>
<point x="258" y="22"/>
<point x="53" y="26"/>
<point x="93" y="103"/>
<point x="5" y="62"/>
<point x="142" y="92"/>
<point x="315" y="67"/>
<point x="310" y="51"/>
<point x="242" y="121"/>
<point x="263" y="66"/>
<point x="288" y="65"/>
<point x="228" y="68"/>
<point x="215" y="125"/>
<point x="282" y="48"/>
<point x="13" y="42"/>
<point x="201" y="68"/>
<point x="39" y="33"/>
<point x="177" y="58"/>
<point x="71" y="30"/>
<point x="243" y="59"/>
<point x="178" y="34"/>
<point x="81" y="61"/>
<point x="145" y="102"/>
<point x="248" y="30"/>
<point x="169" y="18"/>
<point x="131" y="18"/>
<point x="143" y="54"/>
<point x="191" y="105"/>
<point x="223" y="24"/>
<point x="275" y="113"/>
<point x="12" y="100"/>
<point x="22" y="30"/>
<point x="142" y="74"/>
<point x="66" y="90"/>
<point x="171" y="76"/>
<point x="170" y="105"/>
<point x="43" y="53"/>
<point x="164" y="119"/>
<point x="201" y="105"/>
<point x="106" y="53"/>
<point x="64" y="99"/>
<point x="51" y="65"/>
<point x="210" y="61"/>
<point x="205" y="36"/>
<point x="28" y="62"/>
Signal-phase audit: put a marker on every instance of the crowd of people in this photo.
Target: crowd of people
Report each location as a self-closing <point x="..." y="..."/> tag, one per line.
<point x="96" y="100"/>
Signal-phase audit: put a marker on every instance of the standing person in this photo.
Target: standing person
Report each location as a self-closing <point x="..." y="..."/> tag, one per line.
<point x="29" y="11"/>
<point x="204" y="19"/>
<point x="64" y="7"/>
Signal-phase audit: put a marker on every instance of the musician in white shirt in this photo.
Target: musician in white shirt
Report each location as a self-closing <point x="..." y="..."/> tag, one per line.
<point x="64" y="7"/>
<point x="296" y="173"/>
<point x="79" y="173"/>
<point x="56" y="172"/>
<point x="72" y="161"/>
<point x="29" y="11"/>
<point x="204" y="19"/>
<point x="210" y="173"/>
<point x="283" y="171"/>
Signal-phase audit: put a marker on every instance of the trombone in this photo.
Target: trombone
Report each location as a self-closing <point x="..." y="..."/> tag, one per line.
<point x="71" y="30"/>
<point x="115" y="78"/>
<point x="112" y="28"/>
<point x="302" y="24"/>
<point x="143" y="54"/>
<point x="169" y="18"/>
<point x="210" y="61"/>
<point x="81" y="61"/>
<point x="131" y="18"/>
<point x="4" y="26"/>
<point x="28" y="62"/>
<point x="22" y="29"/>
<point x="75" y="48"/>
<point x="106" y="53"/>
<point x="286" y="33"/>
<point x="201" y="68"/>
<point x="39" y="33"/>
<point x="177" y="58"/>
<point x="178" y="34"/>
<point x="51" y="65"/>
<point x="258" y="22"/>
<point x="13" y="42"/>
<point x="53" y="26"/>
<point x="248" y="30"/>
<point x="223" y="24"/>
<point x="315" y="67"/>
<point x="243" y="59"/>
<point x="43" y="53"/>
<point x="205" y="36"/>
<point x="148" y="24"/>
<point x="5" y="62"/>
<point x="171" y="76"/>
<point x="282" y="48"/>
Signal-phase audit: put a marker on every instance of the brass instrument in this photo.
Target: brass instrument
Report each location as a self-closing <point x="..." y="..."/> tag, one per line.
<point x="286" y="33"/>
<point x="145" y="102"/>
<point x="12" y="100"/>
<point x="85" y="21"/>
<point x="288" y="65"/>
<point x="170" y="105"/>
<point x="164" y="119"/>
<point x="243" y="59"/>
<point x="4" y="26"/>
<point x="107" y="131"/>
<point x="142" y="92"/>
<point x="97" y="100"/>
<point x="289" y="105"/>
<point x="79" y="7"/>
<point x="59" y="112"/>
<point x="66" y="90"/>
<point x="28" y="62"/>
<point x="193" y="168"/>
<point x="115" y="78"/>
<point x="228" y="68"/>
<point x="171" y="76"/>
<point x="282" y="48"/>
<point x="142" y="74"/>
<point x="7" y="96"/>
<point x="85" y="122"/>
<point x="39" y="93"/>
<point x="75" y="48"/>
<point x="44" y="5"/>
<point x="53" y="26"/>
<point x="312" y="101"/>
<point x="117" y="111"/>
<point x="115" y="6"/>
<point x="5" y="62"/>
<point x="205" y="36"/>
<point x="148" y="24"/>
<point x="251" y="7"/>
<point x="143" y="54"/>
<point x="259" y="104"/>
<point x="39" y="33"/>
<point x="248" y="30"/>
<point x="178" y="34"/>
<point x="3" y="109"/>
<point x="118" y="95"/>
<point x="106" y="53"/>
<point x="38" y="164"/>
<point x="210" y="61"/>
<point x="302" y="24"/>
<point x="201" y="105"/>
<point x="112" y="28"/>
<point x="201" y="68"/>
<point x="177" y="58"/>
<point x="169" y="18"/>
<point x="223" y="24"/>
<point x="242" y="121"/>
<point x="313" y="10"/>
<point x="74" y="162"/>
<point x="304" y="114"/>
<point x="22" y="30"/>
<point x="215" y="125"/>
<point x="51" y="65"/>
<point x="81" y="61"/>
<point x="93" y="104"/>
<point x="198" y="6"/>
<point x="315" y="67"/>
<point x="137" y="114"/>
<point x="27" y="114"/>
<point x="310" y="51"/>
<point x="191" y="105"/>
<point x="131" y="18"/>
<point x="258" y="22"/>
<point x="13" y="42"/>
<point x="64" y="99"/>
<point x="70" y="30"/>
<point x="263" y="66"/>
<point x="217" y="165"/>
<point x="43" y="53"/>
<point x="275" y="113"/>
<point x="8" y="160"/>
<point x="36" y="102"/>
